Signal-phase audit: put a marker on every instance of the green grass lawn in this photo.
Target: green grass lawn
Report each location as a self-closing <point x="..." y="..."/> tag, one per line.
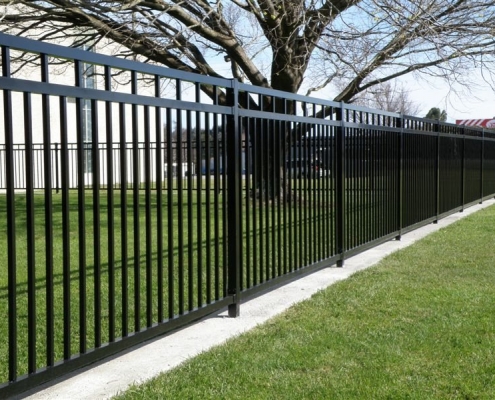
<point x="195" y="261"/>
<point x="212" y="286"/>
<point x="420" y="325"/>
<point x="192" y="257"/>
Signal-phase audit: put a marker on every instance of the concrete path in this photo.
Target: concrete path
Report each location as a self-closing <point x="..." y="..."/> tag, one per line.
<point x="107" y="378"/>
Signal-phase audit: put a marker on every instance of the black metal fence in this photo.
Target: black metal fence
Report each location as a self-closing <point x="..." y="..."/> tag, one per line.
<point x="38" y="178"/>
<point x="109" y="245"/>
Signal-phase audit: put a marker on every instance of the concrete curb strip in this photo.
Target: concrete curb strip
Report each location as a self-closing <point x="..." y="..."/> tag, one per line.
<point x="107" y="378"/>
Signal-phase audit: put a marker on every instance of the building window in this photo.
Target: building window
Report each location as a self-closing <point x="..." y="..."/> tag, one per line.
<point x="88" y="81"/>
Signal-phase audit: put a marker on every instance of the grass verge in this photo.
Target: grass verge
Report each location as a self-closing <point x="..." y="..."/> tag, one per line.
<point x="418" y="326"/>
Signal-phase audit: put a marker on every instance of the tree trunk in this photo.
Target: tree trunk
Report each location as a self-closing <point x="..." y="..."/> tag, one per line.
<point x="270" y="142"/>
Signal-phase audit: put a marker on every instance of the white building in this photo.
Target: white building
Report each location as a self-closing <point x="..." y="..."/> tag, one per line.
<point x="125" y="120"/>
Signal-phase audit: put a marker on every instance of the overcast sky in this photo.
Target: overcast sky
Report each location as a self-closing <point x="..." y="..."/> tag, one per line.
<point x="459" y="102"/>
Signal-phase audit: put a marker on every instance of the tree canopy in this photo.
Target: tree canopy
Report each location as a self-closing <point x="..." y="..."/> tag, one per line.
<point x="291" y="45"/>
<point x="435" y="113"/>
<point x="388" y="96"/>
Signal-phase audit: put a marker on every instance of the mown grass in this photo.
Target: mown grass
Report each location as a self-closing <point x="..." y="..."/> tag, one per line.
<point x="191" y="275"/>
<point x="420" y="325"/>
<point x="189" y="272"/>
<point x="136" y="268"/>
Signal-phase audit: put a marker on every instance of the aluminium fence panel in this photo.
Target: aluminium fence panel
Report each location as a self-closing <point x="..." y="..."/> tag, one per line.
<point x="451" y="173"/>
<point x="372" y="170"/>
<point x="419" y="177"/>
<point x="288" y="184"/>
<point x="473" y="168"/>
<point x="103" y="246"/>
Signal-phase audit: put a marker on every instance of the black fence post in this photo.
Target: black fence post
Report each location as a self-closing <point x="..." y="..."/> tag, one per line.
<point x="463" y="173"/>
<point x="400" y="174"/>
<point x="482" y="164"/>
<point x="340" y="185"/>
<point x="437" y="173"/>
<point x="234" y="197"/>
<point x="11" y="225"/>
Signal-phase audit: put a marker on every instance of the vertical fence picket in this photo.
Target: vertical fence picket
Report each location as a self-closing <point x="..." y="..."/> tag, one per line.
<point x="65" y="184"/>
<point x="224" y="287"/>
<point x="148" y="217"/>
<point x="305" y="190"/>
<point x="95" y="165"/>
<point x="136" y="219"/>
<point x="31" y="240"/>
<point x="189" y="214"/>
<point x="159" y="202"/>
<point x="47" y="165"/>
<point x="124" y="221"/>
<point x="110" y="208"/>
<point x="265" y="189"/>
<point x="199" y="206"/>
<point x="81" y="204"/>
<point x="180" y="204"/>
<point x="216" y="211"/>
<point x="170" y="217"/>
<point x="207" y="174"/>
<point x="11" y="217"/>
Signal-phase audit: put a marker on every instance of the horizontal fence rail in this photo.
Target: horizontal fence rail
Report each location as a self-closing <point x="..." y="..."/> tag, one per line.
<point x="193" y="163"/>
<point x="136" y="199"/>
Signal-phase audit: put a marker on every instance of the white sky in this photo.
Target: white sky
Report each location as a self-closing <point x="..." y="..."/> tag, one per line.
<point x="459" y="102"/>
<point x="473" y="102"/>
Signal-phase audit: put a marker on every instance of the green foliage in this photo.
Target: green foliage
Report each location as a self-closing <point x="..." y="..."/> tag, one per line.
<point x="435" y="113"/>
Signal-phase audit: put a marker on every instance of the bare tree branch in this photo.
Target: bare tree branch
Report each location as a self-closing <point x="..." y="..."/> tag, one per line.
<point x="280" y="43"/>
